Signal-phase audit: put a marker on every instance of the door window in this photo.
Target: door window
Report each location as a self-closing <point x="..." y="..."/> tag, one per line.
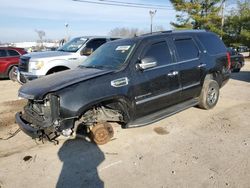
<point x="96" y="43"/>
<point x="3" y="53"/>
<point x="160" y="52"/>
<point x="13" y="53"/>
<point x="186" y="49"/>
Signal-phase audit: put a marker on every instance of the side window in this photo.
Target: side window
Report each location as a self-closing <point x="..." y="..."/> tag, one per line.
<point x="212" y="43"/>
<point x="186" y="49"/>
<point x="3" y="53"/>
<point x="13" y="53"/>
<point x="96" y="43"/>
<point x="160" y="52"/>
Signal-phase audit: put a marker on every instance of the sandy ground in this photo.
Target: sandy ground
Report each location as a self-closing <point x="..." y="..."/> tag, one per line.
<point x="194" y="148"/>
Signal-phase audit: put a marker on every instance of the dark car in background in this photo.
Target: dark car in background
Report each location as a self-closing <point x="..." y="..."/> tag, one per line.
<point x="9" y="58"/>
<point x="237" y="60"/>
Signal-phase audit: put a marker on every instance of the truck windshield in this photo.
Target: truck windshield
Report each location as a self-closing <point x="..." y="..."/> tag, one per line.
<point x="73" y="45"/>
<point x="111" y="55"/>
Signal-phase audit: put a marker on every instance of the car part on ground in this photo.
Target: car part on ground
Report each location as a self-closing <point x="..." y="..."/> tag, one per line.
<point x="132" y="82"/>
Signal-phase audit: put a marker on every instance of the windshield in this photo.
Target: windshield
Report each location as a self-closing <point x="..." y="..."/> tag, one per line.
<point x="111" y="55"/>
<point x="73" y="45"/>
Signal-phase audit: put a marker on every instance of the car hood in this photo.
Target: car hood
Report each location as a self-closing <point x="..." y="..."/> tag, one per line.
<point x="38" y="55"/>
<point x="36" y="89"/>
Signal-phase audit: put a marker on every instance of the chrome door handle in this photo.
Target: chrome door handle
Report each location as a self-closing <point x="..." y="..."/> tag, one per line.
<point x="173" y="73"/>
<point x="201" y="65"/>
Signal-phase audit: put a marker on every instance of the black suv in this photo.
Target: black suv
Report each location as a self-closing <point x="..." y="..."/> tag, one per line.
<point x="133" y="82"/>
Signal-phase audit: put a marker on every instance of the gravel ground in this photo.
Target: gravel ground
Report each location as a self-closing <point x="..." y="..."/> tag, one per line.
<point x="194" y="148"/>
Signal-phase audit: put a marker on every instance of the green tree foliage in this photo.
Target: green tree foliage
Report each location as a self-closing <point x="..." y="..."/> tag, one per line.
<point x="198" y="14"/>
<point x="237" y="25"/>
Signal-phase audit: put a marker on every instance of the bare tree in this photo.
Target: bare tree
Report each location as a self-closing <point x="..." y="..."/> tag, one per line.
<point x="131" y="32"/>
<point x="40" y="34"/>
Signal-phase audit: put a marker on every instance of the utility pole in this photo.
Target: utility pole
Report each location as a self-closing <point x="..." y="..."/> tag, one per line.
<point x="223" y="6"/>
<point x="66" y="32"/>
<point x="152" y="14"/>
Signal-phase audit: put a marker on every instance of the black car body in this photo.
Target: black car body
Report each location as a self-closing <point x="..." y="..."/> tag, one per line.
<point x="237" y="60"/>
<point x="133" y="82"/>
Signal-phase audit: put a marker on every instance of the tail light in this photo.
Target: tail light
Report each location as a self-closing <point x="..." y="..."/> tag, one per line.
<point x="228" y="61"/>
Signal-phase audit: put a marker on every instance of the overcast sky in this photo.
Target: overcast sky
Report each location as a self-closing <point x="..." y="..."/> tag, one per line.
<point x="19" y="19"/>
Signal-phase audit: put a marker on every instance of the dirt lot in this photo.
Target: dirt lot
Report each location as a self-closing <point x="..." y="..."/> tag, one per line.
<point x="194" y="148"/>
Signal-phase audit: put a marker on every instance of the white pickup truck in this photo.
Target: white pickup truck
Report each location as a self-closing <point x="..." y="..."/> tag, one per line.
<point x="69" y="56"/>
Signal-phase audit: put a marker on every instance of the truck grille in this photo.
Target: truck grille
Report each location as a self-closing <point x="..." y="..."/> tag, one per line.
<point x="24" y="64"/>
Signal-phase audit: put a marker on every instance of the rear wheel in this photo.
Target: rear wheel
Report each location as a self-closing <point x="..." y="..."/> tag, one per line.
<point x="10" y="73"/>
<point x="209" y="95"/>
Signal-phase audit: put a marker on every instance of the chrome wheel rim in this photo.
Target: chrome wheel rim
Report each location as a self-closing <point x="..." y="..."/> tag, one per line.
<point x="212" y="96"/>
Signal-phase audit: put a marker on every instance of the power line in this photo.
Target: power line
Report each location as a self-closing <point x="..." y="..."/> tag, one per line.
<point x="138" y="4"/>
<point x="125" y="4"/>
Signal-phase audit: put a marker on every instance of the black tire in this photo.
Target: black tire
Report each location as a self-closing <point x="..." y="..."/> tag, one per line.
<point x="209" y="94"/>
<point x="236" y="70"/>
<point x="10" y="73"/>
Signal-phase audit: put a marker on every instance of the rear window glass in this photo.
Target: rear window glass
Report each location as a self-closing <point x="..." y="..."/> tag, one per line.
<point x="186" y="49"/>
<point x="3" y="53"/>
<point x="13" y="53"/>
<point x="212" y="43"/>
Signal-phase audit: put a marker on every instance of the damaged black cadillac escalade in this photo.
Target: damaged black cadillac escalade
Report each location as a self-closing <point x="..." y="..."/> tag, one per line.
<point x="133" y="82"/>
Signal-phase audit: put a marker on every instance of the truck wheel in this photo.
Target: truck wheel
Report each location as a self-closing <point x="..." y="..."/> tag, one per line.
<point x="209" y="94"/>
<point x="101" y="133"/>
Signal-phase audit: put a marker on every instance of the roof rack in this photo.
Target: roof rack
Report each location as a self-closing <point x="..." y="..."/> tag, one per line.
<point x="157" y="32"/>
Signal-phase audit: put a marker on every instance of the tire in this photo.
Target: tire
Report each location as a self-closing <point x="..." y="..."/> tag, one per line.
<point x="10" y="73"/>
<point x="209" y="94"/>
<point x="236" y="70"/>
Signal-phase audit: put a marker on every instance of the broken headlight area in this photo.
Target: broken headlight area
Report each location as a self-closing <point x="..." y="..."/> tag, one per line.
<point x="43" y="116"/>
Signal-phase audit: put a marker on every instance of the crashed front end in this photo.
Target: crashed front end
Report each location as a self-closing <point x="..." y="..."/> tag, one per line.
<point x="40" y="118"/>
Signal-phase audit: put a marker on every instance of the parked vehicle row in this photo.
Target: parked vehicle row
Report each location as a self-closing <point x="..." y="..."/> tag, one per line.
<point x="133" y="82"/>
<point x="9" y="59"/>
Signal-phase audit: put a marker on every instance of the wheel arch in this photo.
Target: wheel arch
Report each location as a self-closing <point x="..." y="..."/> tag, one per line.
<point x="57" y="68"/>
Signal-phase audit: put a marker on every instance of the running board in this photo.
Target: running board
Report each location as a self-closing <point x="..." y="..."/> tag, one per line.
<point x="157" y="116"/>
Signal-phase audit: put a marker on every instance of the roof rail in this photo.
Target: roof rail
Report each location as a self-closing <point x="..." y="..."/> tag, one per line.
<point x="157" y="32"/>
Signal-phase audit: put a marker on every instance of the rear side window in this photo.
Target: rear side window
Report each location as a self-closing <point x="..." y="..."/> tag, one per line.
<point x="3" y="53"/>
<point x="13" y="53"/>
<point x="212" y="43"/>
<point x="186" y="49"/>
<point x="160" y="52"/>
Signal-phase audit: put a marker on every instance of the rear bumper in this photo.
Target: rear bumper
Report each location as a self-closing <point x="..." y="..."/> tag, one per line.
<point x="26" y="128"/>
<point x="225" y="78"/>
<point x="21" y="77"/>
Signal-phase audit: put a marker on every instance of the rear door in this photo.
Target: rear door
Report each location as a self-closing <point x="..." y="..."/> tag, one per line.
<point x="13" y="57"/>
<point x="188" y="66"/>
<point x="158" y="87"/>
<point x="3" y="60"/>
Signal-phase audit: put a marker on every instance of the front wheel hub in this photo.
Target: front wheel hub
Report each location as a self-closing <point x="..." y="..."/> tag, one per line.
<point x="101" y="133"/>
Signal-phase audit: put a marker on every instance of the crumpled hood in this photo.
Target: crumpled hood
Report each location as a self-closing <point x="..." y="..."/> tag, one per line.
<point x="49" y="54"/>
<point x="36" y="89"/>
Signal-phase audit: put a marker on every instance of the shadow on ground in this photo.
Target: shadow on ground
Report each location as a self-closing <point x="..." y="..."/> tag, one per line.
<point x="241" y="76"/>
<point x="80" y="161"/>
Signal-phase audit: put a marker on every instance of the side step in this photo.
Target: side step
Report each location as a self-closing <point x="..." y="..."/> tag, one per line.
<point x="157" y="116"/>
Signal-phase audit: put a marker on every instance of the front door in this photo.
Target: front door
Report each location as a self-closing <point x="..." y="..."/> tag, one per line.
<point x="158" y="87"/>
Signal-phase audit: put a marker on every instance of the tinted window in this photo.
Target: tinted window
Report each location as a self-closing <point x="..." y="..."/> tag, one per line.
<point x="3" y="53"/>
<point x="13" y="53"/>
<point x="160" y="52"/>
<point x="212" y="43"/>
<point x="186" y="49"/>
<point x="94" y="44"/>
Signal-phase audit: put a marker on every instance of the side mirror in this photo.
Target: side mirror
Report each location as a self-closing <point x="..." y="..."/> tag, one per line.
<point x="86" y="51"/>
<point x="146" y="63"/>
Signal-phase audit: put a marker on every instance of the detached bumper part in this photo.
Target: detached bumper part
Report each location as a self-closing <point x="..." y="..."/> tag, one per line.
<point x="22" y="78"/>
<point x="26" y="128"/>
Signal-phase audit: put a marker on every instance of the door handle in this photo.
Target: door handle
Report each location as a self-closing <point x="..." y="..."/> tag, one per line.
<point x="201" y="65"/>
<point x="173" y="73"/>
